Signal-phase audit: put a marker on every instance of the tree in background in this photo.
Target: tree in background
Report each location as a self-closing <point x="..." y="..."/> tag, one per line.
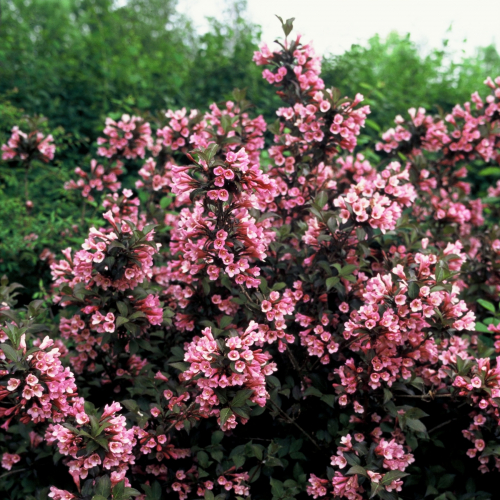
<point x="395" y="74"/>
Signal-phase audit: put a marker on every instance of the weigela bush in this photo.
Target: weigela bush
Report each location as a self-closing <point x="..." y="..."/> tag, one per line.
<point x="277" y="314"/>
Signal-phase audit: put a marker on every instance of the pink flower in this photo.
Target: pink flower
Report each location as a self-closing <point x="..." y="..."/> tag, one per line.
<point x="13" y="384"/>
<point x="9" y="459"/>
<point x="223" y="195"/>
<point x="476" y="382"/>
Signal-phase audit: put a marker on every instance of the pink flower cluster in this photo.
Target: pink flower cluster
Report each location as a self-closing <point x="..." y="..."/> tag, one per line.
<point x="394" y="459"/>
<point x="305" y="68"/>
<point x="98" y="179"/>
<point x="182" y="130"/>
<point x="378" y="202"/>
<point x="57" y="494"/>
<point x="401" y="327"/>
<point x="120" y="441"/>
<point x="10" y="459"/>
<point x="226" y="238"/>
<point x="89" y="265"/>
<point x="128" y="137"/>
<point x="247" y="368"/>
<point x="25" y="147"/>
<point x="153" y="178"/>
<point x="150" y="307"/>
<point x="318" y="340"/>
<point x="324" y="122"/>
<point x="251" y="131"/>
<point x="277" y="307"/>
<point x="236" y="482"/>
<point x="75" y="328"/>
<point x="45" y="391"/>
<point x="460" y="136"/>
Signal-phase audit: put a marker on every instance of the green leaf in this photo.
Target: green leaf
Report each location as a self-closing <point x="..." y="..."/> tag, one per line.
<point x="239" y="460"/>
<point x="487" y="305"/>
<point x="180" y="365"/>
<point x="226" y="282"/>
<point x="121" y="321"/>
<point x="226" y="321"/>
<point x="375" y="126"/>
<point x="130" y="492"/>
<point x="264" y="288"/>
<point x="329" y="399"/>
<point x="415" y="413"/>
<point x="312" y="391"/>
<point x="332" y="224"/>
<point x="490" y="171"/>
<point x="122" y="307"/>
<point x="165" y="201"/>
<point x="225" y="413"/>
<point x="277" y="488"/>
<point x="416" y="425"/>
<point x="241" y="412"/>
<point x="278" y="286"/>
<point x="325" y="266"/>
<point x="103" y="442"/>
<point x="392" y="475"/>
<point x="10" y="352"/>
<point x="331" y="282"/>
<point x="119" y="490"/>
<point x="480" y="327"/>
<point x="217" y="437"/>
<point x="348" y="269"/>
<point x="321" y="199"/>
<point x="445" y="481"/>
<point x="413" y="290"/>
<point x="206" y="285"/>
<point x="387" y="395"/>
<point x="103" y="486"/>
<point x="357" y="469"/>
<point x="287" y="26"/>
<point x="241" y="398"/>
<point x="254" y="473"/>
<point x="130" y="404"/>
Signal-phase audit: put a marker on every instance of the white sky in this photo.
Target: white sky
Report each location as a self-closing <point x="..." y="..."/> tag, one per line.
<point x="334" y="25"/>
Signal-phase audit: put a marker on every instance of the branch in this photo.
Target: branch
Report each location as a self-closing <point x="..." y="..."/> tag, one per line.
<point x="441" y="425"/>
<point x="294" y="423"/>
<point x="293" y="360"/>
<point x="179" y="417"/>
<point x="424" y="397"/>
<point x="245" y="293"/>
<point x="12" y="472"/>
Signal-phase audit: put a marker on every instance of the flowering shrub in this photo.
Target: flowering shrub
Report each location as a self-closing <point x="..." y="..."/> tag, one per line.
<point x="25" y="148"/>
<point x="320" y="323"/>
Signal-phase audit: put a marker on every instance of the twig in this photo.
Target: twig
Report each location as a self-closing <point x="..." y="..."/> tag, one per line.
<point x="293" y="360"/>
<point x="294" y="423"/>
<point x="245" y="293"/>
<point x="429" y="396"/>
<point x="441" y="425"/>
<point x="12" y="472"/>
<point x="257" y="439"/>
<point x="179" y="417"/>
<point x="26" y="182"/>
<point x="255" y="471"/>
<point x="84" y="208"/>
